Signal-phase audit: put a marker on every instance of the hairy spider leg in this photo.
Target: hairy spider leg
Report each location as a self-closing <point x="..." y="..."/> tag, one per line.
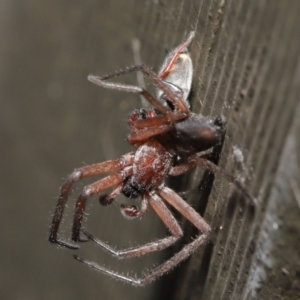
<point x="145" y="124"/>
<point x="101" y="81"/>
<point x="93" y="189"/>
<point x="175" y="98"/>
<point x="167" y="69"/>
<point x="187" y="211"/>
<point x="202" y="161"/>
<point x="166" y="216"/>
<point x="84" y="172"/>
<point x="159" y="120"/>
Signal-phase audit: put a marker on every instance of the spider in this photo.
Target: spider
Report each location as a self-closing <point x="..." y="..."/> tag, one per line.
<point x="160" y="134"/>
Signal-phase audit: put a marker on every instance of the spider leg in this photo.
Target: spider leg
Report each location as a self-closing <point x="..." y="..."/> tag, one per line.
<point x="179" y="204"/>
<point x="166" y="216"/>
<point x="173" y="97"/>
<point x="156" y="272"/>
<point x="207" y="164"/>
<point x="184" y="208"/>
<point x="84" y="172"/>
<point x="146" y="124"/>
<point x="101" y="81"/>
<point x="144" y="134"/>
<point x="92" y="189"/>
<point x="159" y="120"/>
<point x="221" y="172"/>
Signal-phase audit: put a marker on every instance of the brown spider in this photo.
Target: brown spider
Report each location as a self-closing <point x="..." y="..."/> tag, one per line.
<point x="160" y="135"/>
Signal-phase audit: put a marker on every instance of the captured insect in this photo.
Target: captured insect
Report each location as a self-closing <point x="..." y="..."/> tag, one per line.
<point x="160" y="134"/>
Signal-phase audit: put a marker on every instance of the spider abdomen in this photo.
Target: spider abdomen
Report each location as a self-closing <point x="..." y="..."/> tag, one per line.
<point x="151" y="165"/>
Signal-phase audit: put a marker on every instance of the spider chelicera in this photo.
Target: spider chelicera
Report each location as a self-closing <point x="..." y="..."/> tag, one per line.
<point x="160" y="135"/>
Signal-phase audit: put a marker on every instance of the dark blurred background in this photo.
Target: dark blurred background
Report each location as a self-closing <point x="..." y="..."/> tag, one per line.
<point x="247" y="67"/>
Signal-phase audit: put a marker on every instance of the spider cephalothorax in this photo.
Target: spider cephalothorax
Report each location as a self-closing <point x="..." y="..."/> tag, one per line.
<point x="160" y="134"/>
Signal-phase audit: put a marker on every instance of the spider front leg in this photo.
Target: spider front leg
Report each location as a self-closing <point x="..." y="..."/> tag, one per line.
<point x="84" y="172"/>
